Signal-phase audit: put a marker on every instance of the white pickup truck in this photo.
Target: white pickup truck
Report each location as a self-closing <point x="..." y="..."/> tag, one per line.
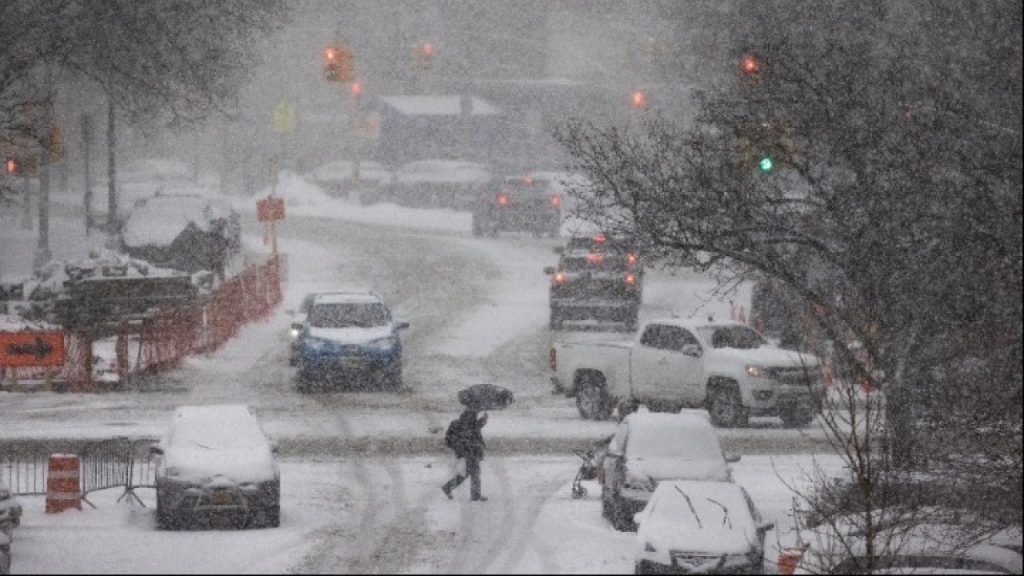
<point x="726" y="367"/>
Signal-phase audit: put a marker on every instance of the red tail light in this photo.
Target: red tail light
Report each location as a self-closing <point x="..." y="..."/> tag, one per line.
<point x="553" y="360"/>
<point x="600" y="239"/>
<point x="502" y="200"/>
<point x="556" y="201"/>
<point x="631" y="259"/>
<point x="595" y="258"/>
<point x="630" y="280"/>
<point x="559" y="278"/>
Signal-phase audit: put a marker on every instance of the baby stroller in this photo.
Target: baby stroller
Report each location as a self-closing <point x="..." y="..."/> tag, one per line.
<point x="587" y="471"/>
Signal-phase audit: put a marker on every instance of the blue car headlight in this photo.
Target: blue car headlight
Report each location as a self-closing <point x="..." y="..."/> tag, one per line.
<point x="383" y="344"/>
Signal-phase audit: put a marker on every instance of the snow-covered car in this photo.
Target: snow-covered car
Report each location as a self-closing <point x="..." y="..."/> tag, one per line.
<point x="648" y="448"/>
<point x="216" y="467"/>
<point x="699" y="527"/>
<point x="916" y="548"/>
<point x="10" y="518"/>
<point x="298" y="317"/>
<point x="338" y="179"/>
<point x="351" y="335"/>
<point x="185" y="232"/>
<point x="440" y="183"/>
<point x="10" y="510"/>
<point x="5" y="554"/>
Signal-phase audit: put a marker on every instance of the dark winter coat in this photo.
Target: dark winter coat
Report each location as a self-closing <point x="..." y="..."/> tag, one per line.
<point x="469" y="441"/>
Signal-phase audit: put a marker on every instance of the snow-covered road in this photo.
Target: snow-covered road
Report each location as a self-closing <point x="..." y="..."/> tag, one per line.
<point x="362" y="469"/>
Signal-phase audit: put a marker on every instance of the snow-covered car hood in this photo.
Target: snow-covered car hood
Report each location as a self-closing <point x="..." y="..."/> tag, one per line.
<point x="711" y="536"/>
<point x="767" y="356"/>
<point x="351" y="335"/>
<point x="669" y="468"/>
<point x="199" y="465"/>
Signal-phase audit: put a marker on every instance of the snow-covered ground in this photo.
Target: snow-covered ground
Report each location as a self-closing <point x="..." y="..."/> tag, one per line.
<point x="362" y="469"/>
<point x="382" y="515"/>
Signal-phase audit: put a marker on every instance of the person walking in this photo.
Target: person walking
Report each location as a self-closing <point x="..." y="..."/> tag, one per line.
<point x="465" y="439"/>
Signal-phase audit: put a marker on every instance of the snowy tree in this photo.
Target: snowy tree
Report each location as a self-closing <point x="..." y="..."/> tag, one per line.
<point x="891" y="206"/>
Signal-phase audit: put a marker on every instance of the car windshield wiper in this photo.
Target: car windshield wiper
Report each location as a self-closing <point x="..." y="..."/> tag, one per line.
<point x="692" y="509"/>
<point x="202" y="446"/>
<point x="725" y="518"/>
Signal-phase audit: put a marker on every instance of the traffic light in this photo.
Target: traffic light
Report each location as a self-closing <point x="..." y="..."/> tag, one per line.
<point x="339" y="65"/>
<point x="766" y="146"/>
<point x="750" y="65"/>
<point x="638" y="99"/>
<point x="423" y="54"/>
<point x="766" y="164"/>
<point x="10" y="166"/>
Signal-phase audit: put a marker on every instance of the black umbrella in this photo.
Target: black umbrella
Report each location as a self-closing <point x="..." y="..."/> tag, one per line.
<point x="485" y="397"/>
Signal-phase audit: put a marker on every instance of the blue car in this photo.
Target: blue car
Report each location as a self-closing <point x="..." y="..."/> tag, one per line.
<point x="349" y="339"/>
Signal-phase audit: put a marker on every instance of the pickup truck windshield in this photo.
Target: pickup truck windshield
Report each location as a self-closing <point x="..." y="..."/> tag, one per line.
<point x="349" y="315"/>
<point x="731" y="337"/>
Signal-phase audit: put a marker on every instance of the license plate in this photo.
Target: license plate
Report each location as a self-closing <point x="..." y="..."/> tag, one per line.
<point x="222" y="498"/>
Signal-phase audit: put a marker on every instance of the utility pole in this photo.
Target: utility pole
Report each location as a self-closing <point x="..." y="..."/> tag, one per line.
<point x="86" y="146"/>
<point x="111" y="167"/>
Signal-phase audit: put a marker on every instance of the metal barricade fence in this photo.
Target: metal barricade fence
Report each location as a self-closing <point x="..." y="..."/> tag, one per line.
<point x="112" y="463"/>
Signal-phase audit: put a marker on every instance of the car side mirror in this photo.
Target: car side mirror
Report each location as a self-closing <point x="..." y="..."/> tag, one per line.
<point x="549" y="270"/>
<point x="402" y="325"/>
<point x="156" y="450"/>
<point x="732" y="458"/>
<point x="692" y="350"/>
<point x="296" y="325"/>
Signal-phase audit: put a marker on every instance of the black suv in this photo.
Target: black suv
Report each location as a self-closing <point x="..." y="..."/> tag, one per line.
<point x="519" y="204"/>
<point x="597" y="278"/>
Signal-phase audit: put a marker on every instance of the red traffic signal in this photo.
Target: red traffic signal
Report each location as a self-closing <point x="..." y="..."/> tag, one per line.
<point x="638" y="99"/>
<point x="339" y="64"/>
<point x="10" y="166"/>
<point x="750" y="65"/>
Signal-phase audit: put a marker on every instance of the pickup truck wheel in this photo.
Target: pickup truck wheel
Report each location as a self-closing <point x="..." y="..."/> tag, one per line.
<point x="593" y="403"/>
<point x="796" y="416"/>
<point x="725" y="406"/>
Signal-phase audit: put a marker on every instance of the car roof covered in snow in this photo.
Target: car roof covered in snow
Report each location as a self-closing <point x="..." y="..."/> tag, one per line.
<point x="694" y="323"/>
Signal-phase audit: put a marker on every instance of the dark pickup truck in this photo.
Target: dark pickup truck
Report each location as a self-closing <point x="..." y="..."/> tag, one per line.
<point x="597" y="279"/>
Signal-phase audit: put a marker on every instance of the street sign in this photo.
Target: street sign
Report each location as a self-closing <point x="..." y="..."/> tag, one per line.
<point x="270" y="209"/>
<point x="22" y="349"/>
<point x="284" y="117"/>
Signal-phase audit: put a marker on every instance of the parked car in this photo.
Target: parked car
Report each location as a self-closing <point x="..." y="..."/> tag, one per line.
<point x="216" y="467"/>
<point x="453" y="184"/>
<point x="699" y="527"/>
<point x="915" y="548"/>
<point x="648" y="448"/>
<point x="350" y="337"/>
<point x="5" y="554"/>
<point x="724" y="366"/>
<point x="298" y="317"/>
<point x="10" y="510"/>
<point x="10" y="518"/>
<point x="519" y="203"/>
<point x="185" y="232"/>
<point x="337" y="178"/>
<point x="597" y="279"/>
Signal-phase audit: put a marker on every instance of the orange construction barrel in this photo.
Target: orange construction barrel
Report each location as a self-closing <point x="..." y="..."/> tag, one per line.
<point x="63" y="489"/>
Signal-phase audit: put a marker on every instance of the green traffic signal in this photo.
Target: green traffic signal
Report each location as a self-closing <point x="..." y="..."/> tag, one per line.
<point x="765" y="164"/>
